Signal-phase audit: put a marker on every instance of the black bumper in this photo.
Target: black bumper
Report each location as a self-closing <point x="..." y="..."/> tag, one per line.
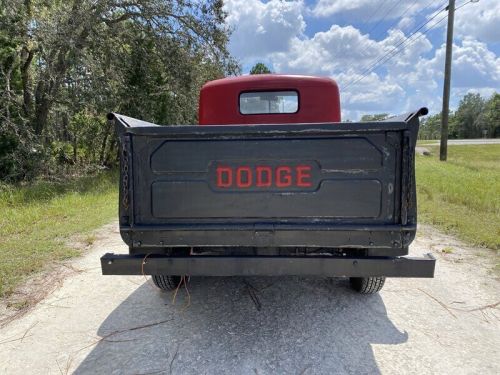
<point x="121" y="264"/>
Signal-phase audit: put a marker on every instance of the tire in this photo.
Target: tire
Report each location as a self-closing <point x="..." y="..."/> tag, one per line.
<point x="166" y="282"/>
<point x="367" y="285"/>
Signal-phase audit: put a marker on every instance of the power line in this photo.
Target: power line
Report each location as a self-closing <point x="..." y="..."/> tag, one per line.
<point x="384" y="17"/>
<point x="399" y="42"/>
<point x="395" y="51"/>
<point x="398" y="19"/>
<point x="375" y="62"/>
<point x="464" y="4"/>
<point x="369" y="19"/>
<point x="432" y="27"/>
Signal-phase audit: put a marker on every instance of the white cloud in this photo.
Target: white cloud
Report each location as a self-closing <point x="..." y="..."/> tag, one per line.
<point x="368" y="10"/>
<point x="327" y="52"/>
<point x="261" y="28"/>
<point x="274" y="32"/>
<point x="403" y="52"/>
<point x="373" y="93"/>
<point x="344" y="53"/>
<point x="473" y="65"/>
<point x="480" y="20"/>
<point x="325" y="8"/>
<point x="345" y="48"/>
<point x="405" y="23"/>
<point x="474" y="69"/>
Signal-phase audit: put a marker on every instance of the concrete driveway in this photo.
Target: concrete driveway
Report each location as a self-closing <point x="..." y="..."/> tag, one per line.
<point x="97" y="324"/>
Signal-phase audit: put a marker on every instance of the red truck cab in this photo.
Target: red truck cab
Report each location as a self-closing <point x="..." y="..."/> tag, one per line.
<point x="269" y="99"/>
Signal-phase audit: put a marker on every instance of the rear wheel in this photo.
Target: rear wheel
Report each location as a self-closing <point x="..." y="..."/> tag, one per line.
<point x="167" y="282"/>
<point x="367" y="285"/>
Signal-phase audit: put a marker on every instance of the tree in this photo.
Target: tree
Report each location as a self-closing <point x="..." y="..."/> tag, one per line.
<point x="147" y="58"/>
<point x="492" y="116"/>
<point x="167" y="26"/>
<point x="375" y="117"/>
<point x="430" y="127"/>
<point x="470" y="116"/>
<point x="260" y="68"/>
<point x="15" y="140"/>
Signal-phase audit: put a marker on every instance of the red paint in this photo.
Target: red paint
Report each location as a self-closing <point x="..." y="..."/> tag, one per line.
<point x="319" y="100"/>
<point x="283" y="176"/>
<point x="227" y="181"/>
<point x="263" y="176"/>
<point x="261" y="171"/>
<point x="239" y="177"/>
<point x="303" y="174"/>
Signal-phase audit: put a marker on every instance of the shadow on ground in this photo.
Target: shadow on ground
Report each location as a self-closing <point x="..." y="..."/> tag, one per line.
<point x="304" y="326"/>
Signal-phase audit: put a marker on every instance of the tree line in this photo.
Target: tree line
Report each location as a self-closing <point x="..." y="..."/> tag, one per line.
<point x="475" y="117"/>
<point x="65" y="64"/>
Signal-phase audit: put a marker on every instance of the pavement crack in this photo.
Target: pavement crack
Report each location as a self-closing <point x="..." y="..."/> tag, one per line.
<point x="135" y="328"/>
<point x="252" y="292"/>
<point x="173" y="359"/>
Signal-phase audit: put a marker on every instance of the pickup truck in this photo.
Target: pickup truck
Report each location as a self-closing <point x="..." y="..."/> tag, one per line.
<point x="270" y="182"/>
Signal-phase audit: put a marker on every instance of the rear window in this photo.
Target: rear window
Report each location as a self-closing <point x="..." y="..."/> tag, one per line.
<point x="266" y="102"/>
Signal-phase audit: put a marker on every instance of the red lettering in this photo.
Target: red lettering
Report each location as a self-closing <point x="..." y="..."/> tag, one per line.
<point x="303" y="174"/>
<point x="264" y="176"/>
<point x="224" y="177"/>
<point x="239" y="177"/>
<point x="261" y="171"/>
<point x="283" y="176"/>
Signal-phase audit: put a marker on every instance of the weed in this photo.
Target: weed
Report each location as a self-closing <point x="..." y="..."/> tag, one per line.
<point x="19" y="305"/>
<point x="447" y="250"/>
<point x="37" y="220"/>
<point x="462" y="196"/>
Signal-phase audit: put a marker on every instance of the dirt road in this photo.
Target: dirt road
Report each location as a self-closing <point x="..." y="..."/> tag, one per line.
<point x="96" y="324"/>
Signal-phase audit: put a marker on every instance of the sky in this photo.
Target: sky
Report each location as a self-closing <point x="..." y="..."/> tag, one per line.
<point x="374" y="49"/>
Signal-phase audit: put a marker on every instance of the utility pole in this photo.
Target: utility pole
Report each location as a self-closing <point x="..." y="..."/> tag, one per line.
<point x="443" y="149"/>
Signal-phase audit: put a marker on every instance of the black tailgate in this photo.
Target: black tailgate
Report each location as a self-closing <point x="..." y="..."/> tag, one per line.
<point x="339" y="185"/>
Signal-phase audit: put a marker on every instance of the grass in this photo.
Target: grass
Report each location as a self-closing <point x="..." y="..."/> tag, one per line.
<point x="427" y="141"/>
<point x="37" y="221"/>
<point x="462" y="196"/>
<point x="447" y="250"/>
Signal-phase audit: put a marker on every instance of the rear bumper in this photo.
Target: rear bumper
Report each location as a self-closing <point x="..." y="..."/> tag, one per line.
<point x="121" y="264"/>
<point x="379" y="240"/>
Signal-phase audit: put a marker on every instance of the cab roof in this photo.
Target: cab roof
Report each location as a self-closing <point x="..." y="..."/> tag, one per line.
<point x="264" y="80"/>
<point x="318" y="99"/>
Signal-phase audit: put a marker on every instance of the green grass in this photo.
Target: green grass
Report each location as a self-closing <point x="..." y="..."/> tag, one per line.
<point x="427" y="141"/>
<point x="37" y="221"/>
<point x="462" y="196"/>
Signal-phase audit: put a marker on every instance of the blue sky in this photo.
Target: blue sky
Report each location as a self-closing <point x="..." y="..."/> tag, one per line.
<point x="363" y="45"/>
